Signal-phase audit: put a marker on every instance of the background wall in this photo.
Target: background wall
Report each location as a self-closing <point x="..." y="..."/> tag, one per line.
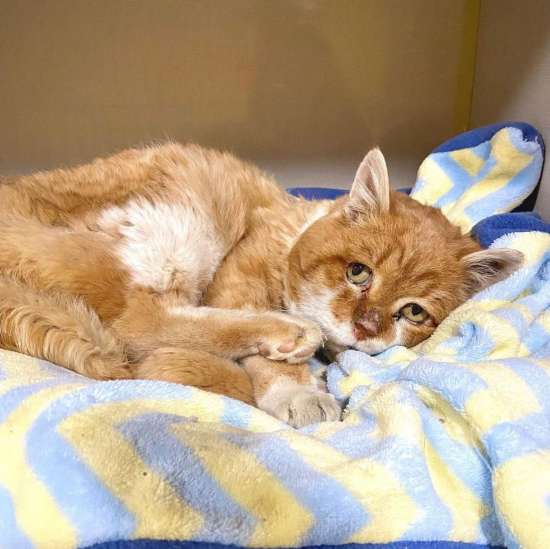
<point x="512" y="80"/>
<point x="304" y="87"/>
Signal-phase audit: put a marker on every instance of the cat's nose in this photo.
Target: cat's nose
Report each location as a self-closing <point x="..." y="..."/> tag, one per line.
<point x="369" y="323"/>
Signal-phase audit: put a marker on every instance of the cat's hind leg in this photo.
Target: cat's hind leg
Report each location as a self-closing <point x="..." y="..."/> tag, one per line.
<point x="197" y="369"/>
<point x="286" y="391"/>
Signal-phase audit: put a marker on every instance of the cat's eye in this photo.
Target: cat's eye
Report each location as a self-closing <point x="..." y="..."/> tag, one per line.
<point x="358" y="273"/>
<point x="414" y="312"/>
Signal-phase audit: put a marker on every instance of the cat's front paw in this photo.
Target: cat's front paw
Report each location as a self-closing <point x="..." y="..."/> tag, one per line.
<point x="301" y="405"/>
<point x="306" y="407"/>
<point x="289" y="338"/>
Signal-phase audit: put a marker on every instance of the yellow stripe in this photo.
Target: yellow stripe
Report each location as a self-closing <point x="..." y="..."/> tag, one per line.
<point x="282" y="521"/>
<point x="477" y="311"/>
<point x="457" y="216"/>
<point x="466" y="508"/>
<point x="36" y="512"/>
<point x="522" y="491"/>
<point x="506" y="398"/>
<point x="437" y="183"/>
<point x="158" y="510"/>
<point x="20" y="370"/>
<point x="323" y="431"/>
<point x="452" y="421"/>
<point x="505" y="154"/>
<point x="507" y="342"/>
<point x="400" y="355"/>
<point x="391" y="510"/>
<point x="355" y="379"/>
<point x="469" y="160"/>
<point x="532" y="246"/>
<point x="396" y="419"/>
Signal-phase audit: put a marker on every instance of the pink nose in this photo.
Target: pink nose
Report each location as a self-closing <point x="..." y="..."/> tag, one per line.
<point x="368" y="325"/>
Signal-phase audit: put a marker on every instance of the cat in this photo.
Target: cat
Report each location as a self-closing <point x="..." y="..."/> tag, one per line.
<point x="188" y="265"/>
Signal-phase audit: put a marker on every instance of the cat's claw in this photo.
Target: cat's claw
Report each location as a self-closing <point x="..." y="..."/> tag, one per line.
<point x="291" y="339"/>
<point x="307" y="406"/>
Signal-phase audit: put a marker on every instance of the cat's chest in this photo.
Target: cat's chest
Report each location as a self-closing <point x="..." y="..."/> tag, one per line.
<point x="164" y="246"/>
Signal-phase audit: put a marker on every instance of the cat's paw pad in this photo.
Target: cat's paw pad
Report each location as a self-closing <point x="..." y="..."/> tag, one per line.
<point x="304" y="406"/>
<point x="291" y="339"/>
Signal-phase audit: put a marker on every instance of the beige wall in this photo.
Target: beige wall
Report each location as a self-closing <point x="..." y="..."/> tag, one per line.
<point x="302" y="86"/>
<point x="512" y="79"/>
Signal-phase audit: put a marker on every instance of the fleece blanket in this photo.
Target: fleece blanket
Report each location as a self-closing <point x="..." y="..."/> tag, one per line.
<point x="448" y="441"/>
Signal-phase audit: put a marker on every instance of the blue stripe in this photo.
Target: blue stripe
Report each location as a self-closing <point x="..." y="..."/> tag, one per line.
<point x="70" y="481"/>
<point x="409" y="464"/>
<point x="13" y="398"/>
<point x="317" y="193"/>
<point x="178" y="465"/>
<point x="508" y="196"/>
<point x="460" y="178"/>
<point x="535" y="377"/>
<point x="236" y="414"/>
<point x="512" y="439"/>
<point x="306" y="484"/>
<point x="464" y="461"/>
<point x="456" y="386"/>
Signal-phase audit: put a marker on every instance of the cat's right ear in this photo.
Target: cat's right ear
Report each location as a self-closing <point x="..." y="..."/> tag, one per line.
<point x="370" y="191"/>
<point x="490" y="266"/>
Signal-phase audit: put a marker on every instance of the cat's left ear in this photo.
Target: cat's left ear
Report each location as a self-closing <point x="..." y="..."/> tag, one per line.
<point x="370" y="191"/>
<point x="488" y="267"/>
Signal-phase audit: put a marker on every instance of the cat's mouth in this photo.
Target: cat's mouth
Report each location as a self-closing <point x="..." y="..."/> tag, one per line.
<point x="369" y="345"/>
<point x="372" y="346"/>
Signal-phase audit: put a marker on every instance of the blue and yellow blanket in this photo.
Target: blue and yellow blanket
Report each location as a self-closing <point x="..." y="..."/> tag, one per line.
<point x="447" y="441"/>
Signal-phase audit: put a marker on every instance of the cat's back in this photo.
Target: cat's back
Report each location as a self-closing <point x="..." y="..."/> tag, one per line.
<point x="164" y="173"/>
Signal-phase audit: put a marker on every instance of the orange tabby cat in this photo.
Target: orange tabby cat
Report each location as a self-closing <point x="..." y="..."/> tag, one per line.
<point x="178" y="263"/>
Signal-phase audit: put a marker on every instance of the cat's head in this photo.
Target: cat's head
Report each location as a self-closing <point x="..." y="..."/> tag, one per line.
<point x="380" y="269"/>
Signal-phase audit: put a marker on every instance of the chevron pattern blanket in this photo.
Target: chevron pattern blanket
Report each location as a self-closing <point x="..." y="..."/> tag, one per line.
<point x="448" y="441"/>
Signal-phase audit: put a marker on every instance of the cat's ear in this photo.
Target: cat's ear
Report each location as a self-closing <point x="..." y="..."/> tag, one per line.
<point x="370" y="191"/>
<point x="487" y="267"/>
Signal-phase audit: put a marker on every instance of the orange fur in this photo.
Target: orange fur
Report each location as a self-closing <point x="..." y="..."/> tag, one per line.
<point x="173" y="262"/>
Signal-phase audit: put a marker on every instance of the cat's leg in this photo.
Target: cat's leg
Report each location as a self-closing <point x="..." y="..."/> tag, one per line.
<point x="162" y="313"/>
<point x="197" y="369"/>
<point x="64" y="261"/>
<point x="60" y="329"/>
<point x="290" y="392"/>
<point x="47" y="195"/>
<point x="151" y="321"/>
<point x="287" y="391"/>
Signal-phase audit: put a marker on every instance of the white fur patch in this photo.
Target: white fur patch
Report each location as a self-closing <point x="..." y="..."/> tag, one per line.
<point x="375" y="345"/>
<point x="320" y="211"/>
<point x="314" y="304"/>
<point x="165" y="246"/>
